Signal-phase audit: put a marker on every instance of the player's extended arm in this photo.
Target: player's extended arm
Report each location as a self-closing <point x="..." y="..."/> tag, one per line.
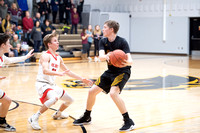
<point x="44" y="61"/>
<point x="74" y="75"/>
<point x="2" y="77"/>
<point x="9" y="60"/>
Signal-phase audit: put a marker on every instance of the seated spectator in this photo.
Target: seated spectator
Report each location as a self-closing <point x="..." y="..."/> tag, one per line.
<point x="15" y="45"/>
<point x="75" y="20"/>
<point x="24" y="50"/>
<point x="36" y="34"/>
<point x="6" y="25"/>
<point x="19" y="32"/>
<point x="15" y="13"/>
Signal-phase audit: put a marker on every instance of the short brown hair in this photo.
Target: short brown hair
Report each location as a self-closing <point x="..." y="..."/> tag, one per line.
<point x="113" y="24"/>
<point x="47" y="39"/>
<point x="3" y="38"/>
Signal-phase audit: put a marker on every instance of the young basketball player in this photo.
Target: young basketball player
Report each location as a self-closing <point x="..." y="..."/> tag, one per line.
<point x="48" y="91"/>
<point x="113" y="80"/>
<point x="4" y="99"/>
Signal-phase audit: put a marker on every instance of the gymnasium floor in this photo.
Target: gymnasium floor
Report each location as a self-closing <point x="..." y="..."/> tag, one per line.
<point x="162" y="96"/>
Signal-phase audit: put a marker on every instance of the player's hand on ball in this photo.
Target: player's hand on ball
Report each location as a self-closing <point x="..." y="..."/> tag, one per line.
<point x="2" y="77"/>
<point x="87" y="81"/>
<point x="123" y="64"/>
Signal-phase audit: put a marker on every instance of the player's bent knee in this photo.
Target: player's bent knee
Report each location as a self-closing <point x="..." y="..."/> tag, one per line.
<point x="50" y="102"/>
<point x="69" y="101"/>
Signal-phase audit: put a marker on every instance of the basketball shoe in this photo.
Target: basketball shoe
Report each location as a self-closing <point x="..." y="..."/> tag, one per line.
<point x="83" y="120"/>
<point x="33" y="120"/>
<point x="7" y="127"/>
<point x="128" y="125"/>
<point x="60" y="115"/>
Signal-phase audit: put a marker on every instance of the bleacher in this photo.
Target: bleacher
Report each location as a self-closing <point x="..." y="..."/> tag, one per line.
<point x="71" y="42"/>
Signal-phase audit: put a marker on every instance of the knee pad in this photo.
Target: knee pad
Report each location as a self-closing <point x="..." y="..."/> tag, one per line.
<point x="50" y="102"/>
<point x="69" y="101"/>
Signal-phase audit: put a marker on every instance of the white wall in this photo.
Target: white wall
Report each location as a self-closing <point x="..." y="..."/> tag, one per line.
<point x="147" y="23"/>
<point x="147" y="35"/>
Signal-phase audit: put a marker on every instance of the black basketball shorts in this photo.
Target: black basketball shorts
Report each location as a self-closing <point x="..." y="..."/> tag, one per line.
<point x="109" y="79"/>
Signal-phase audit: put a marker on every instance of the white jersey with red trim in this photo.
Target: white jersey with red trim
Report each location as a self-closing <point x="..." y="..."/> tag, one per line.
<point x="1" y="61"/>
<point x="54" y="65"/>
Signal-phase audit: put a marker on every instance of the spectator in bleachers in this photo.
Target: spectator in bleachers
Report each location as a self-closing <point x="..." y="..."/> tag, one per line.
<point x="9" y="2"/>
<point x="85" y="45"/>
<point x="15" y="45"/>
<point x="61" y="10"/>
<point x="37" y="18"/>
<point x="80" y="10"/>
<point x="54" y="6"/>
<point x="27" y="26"/>
<point x="19" y="32"/>
<point x="6" y="24"/>
<point x="3" y="9"/>
<point x="67" y="10"/>
<point x="15" y="13"/>
<point x="47" y="28"/>
<point x="42" y="9"/>
<point x="97" y="35"/>
<point x="75" y="20"/>
<point x="90" y="40"/>
<point x="48" y="9"/>
<point x="0" y="25"/>
<point x="23" y="6"/>
<point x="36" y="34"/>
<point x="35" y="8"/>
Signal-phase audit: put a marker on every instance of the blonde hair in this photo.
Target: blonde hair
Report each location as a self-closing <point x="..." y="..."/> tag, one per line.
<point x="47" y="39"/>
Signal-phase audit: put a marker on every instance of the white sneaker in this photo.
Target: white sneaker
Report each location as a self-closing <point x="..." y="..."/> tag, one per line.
<point x="95" y="59"/>
<point x="60" y="115"/>
<point x="34" y="122"/>
<point x="90" y="59"/>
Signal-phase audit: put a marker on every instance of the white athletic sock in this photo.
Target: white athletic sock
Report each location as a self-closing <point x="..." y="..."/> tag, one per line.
<point x="37" y="115"/>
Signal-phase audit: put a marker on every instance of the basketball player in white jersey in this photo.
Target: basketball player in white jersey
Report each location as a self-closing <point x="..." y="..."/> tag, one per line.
<point x="49" y="93"/>
<point x="4" y="99"/>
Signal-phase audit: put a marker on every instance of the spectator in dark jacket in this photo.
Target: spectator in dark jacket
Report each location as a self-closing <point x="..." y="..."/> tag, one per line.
<point x="36" y="34"/>
<point x="47" y="28"/>
<point x="61" y="10"/>
<point x="3" y="10"/>
<point x="80" y="10"/>
<point x="67" y="10"/>
<point x="42" y="9"/>
<point x="75" y="20"/>
<point x="54" y="6"/>
<point x="48" y="10"/>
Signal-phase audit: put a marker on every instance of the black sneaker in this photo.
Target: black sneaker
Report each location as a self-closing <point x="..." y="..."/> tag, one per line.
<point x="7" y="127"/>
<point x="128" y="125"/>
<point x="83" y="120"/>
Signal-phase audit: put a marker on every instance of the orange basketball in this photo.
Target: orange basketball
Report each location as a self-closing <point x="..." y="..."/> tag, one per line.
<point x="117" y="57"/>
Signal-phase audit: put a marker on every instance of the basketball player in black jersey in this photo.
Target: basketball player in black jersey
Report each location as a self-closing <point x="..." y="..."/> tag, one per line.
<point x="113" y="80"/>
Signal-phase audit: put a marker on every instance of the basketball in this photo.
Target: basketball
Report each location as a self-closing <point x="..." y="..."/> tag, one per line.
<point x="117" y="57"/>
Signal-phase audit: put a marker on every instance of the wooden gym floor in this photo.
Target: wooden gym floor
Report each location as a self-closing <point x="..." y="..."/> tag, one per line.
<point x="162" y="96"/>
